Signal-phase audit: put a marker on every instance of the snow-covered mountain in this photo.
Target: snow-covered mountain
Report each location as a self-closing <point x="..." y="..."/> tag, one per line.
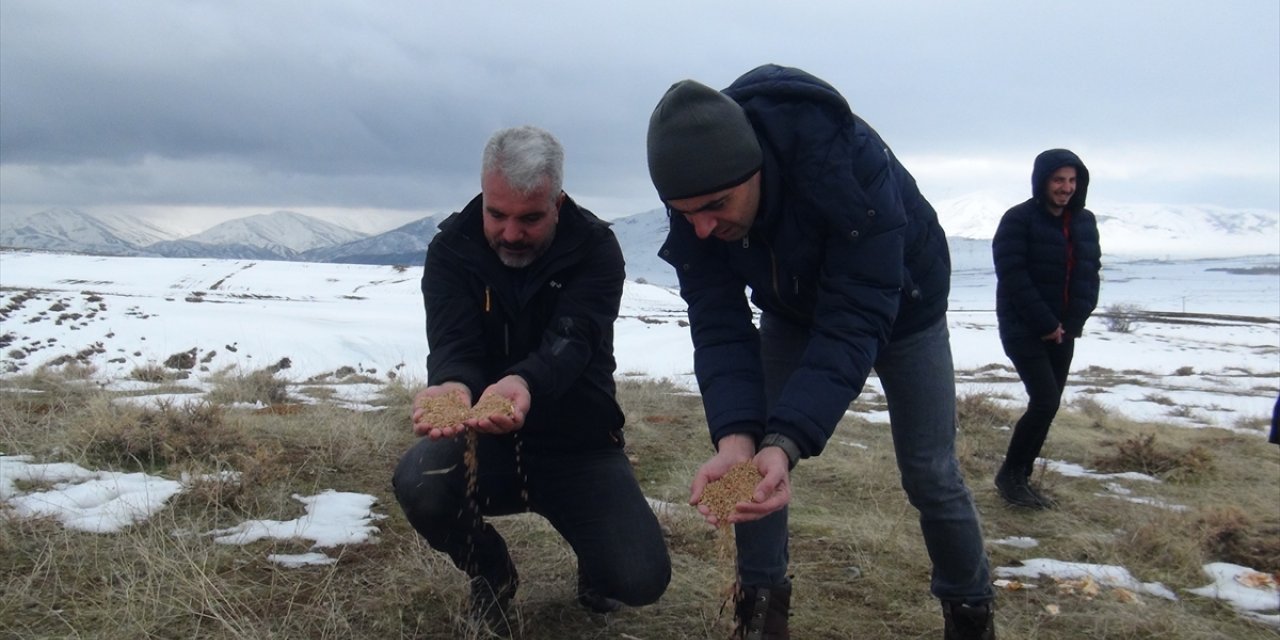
<point x="1198" y="231"/>
<point x="641" y="235"/>
<point x="191" y="249"/>
<point x="72" y="230"/>
<point x="1128" y="230"/>
<point x="283" y="232"/>
<point x="135" y="230"/>
<point x="974" y="215"/>
<point x="1137" y="230"/>
<point x="406" y="245"/>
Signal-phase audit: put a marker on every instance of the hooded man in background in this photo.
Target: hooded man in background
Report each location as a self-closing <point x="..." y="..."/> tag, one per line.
<point x="1047" y="261"/>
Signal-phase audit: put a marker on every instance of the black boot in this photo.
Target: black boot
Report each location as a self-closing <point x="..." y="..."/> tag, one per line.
<point x="591" y="599"/>
<point x="1046" y="502"/>
<point x="761" y="613"/>
<point x="493" y="585"/>
<point x="489" y="608"/>
<point x="1016" y="490"/>
<point x="969" y="621"/>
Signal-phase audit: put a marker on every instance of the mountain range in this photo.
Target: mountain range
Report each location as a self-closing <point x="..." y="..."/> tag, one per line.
<point x="1154" y="231"/>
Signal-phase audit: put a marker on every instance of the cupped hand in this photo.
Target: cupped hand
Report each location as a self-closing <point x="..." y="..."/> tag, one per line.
<point x="437" y="431"/>
<point x="731" y="450"/>
<point x="516" y="391"/>
<point x="774" y="490"/>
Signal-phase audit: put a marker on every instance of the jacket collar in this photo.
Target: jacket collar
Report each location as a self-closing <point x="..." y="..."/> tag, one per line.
<point x="463" y="234"/>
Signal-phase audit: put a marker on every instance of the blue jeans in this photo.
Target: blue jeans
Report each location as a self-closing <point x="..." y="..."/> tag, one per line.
<point x="918" y="378"/>
<point x="590" y="496"/>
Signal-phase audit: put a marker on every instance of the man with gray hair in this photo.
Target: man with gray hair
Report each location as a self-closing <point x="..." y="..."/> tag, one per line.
<point x="521" y="290"/>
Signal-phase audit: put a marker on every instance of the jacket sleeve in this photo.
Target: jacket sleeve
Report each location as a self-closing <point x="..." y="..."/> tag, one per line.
<point x="454" y="337"/>
<point x="859" y="202"/>
<point x="581" y="324"/>
<point x="1086" y="276"/>
<point x="1011" y="253"/>
<point x="726" y="344"/>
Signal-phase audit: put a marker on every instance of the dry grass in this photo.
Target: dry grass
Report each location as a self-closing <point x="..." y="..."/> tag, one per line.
<point x="857" y="557"/>
<point x="1145" y="455"/>
<point x="257" y="387"/>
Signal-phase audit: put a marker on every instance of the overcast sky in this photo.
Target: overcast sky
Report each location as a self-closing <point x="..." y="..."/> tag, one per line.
<point x="200" y="110"/>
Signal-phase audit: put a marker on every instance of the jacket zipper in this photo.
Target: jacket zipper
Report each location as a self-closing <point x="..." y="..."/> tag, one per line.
<point x="1071" y="260"/>
<point x="773" y="279"/>
<point x="506" y="326"/>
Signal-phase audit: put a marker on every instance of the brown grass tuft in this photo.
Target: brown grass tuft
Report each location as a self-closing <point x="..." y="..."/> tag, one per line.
<point x="1231" y="535"/>
<point x="1144" y="455"/>
<point x="977" y="411"/>
<point x="172" y="433"/>
<point x="257" y="387"/>
<point x="281" y="409"/>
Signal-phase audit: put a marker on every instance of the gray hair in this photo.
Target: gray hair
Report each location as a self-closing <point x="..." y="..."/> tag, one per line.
<point x="528" y="158"/>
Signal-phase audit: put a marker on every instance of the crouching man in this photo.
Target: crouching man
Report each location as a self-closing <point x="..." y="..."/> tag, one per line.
<point x="521" y="290"/>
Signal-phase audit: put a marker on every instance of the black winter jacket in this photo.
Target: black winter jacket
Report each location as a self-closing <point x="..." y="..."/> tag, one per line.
<point x="844" y="243"/>
<point x="551" y="323"/>
<point x="1033" y="291"/>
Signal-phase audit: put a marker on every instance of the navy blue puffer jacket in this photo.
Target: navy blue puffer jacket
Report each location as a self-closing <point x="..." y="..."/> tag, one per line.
<point x="1032" y="249"/>
<point x="844" y="244"/>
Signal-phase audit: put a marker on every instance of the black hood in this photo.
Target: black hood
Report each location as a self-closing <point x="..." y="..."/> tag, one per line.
<point x="1050" y="161"/>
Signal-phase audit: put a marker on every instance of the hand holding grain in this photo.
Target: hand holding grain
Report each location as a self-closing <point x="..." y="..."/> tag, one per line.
<point x="502" y="407"/>
<point x="439" y="410"/>
<point x="720" y="498"/>
<point x="444" y="411"/>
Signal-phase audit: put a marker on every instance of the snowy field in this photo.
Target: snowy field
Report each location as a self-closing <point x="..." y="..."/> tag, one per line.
<point x="1214" y="362"/>
<point x="1211" y="361"/>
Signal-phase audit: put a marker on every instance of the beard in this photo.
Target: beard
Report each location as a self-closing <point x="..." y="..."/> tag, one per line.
<point x="518" y="255"/>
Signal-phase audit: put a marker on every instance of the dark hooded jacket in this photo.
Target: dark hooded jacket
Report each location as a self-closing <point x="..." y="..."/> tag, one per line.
<point x="843" y="243"/>
<point x="1047" y="267"/>
<point x="551" y="323"/>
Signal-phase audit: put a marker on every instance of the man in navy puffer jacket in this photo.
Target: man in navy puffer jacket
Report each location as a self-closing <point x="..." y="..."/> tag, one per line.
<point x="774" y="184"/>
<point x="1047" y="261"/>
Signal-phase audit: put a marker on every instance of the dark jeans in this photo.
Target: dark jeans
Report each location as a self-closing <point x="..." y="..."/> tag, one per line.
<point x="1042" y="365"/>
<point x="918" y="378"/>
<point x="591" y="497"/>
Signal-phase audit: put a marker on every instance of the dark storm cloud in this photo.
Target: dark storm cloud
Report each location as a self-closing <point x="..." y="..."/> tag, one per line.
<point x="114" y="87"/>
<point x="388" y="104"/>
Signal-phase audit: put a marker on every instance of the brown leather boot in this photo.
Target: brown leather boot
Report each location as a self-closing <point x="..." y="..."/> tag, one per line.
<point x="761" y="613"/>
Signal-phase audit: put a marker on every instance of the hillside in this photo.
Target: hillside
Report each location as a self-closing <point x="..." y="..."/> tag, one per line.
<point x="1128" y="231"/>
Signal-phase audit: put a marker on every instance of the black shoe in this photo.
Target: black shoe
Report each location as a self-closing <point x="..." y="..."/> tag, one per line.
<point x="489" y="607"/>
<point x="591" y="599"/>
<point x="1016" y="491"/>
<point x="1045" y="501"/>
<point x="968" y="621"/>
